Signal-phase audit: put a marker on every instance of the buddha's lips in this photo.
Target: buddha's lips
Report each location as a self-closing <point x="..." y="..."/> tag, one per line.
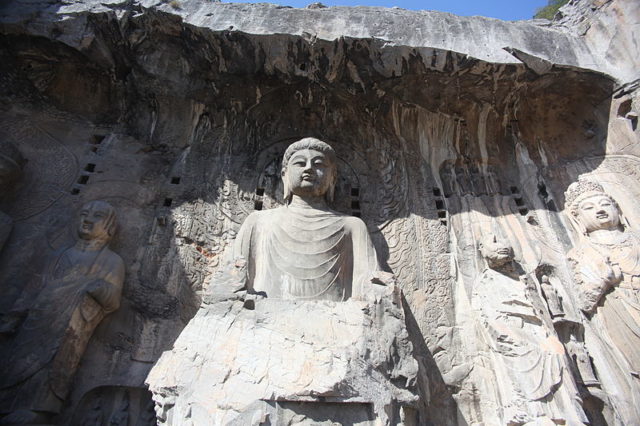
<point x="602" y="216"/>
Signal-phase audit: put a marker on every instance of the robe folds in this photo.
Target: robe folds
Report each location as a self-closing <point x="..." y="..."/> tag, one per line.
<point x="298" y="252"/>
<point x="45" y="353"/>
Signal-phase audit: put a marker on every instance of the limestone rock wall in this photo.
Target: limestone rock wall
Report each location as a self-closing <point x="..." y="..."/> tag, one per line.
<point x="178" y="114"/>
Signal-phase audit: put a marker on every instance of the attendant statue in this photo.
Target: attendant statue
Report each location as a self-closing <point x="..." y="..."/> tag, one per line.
<point x="305" y="250"/>
<point x="606" y="263"/>
<point x="80" y="285"/>
<point x="533" y="381"/>
<point x="11" y="163"/>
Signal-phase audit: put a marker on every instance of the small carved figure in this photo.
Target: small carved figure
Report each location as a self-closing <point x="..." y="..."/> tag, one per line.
<point x="11" y="163"/>
<point x="606" y="265"/>
<point x="305" y="250"/>
<point x="81" y="285"/>
<point x="529" y="360"/>
<point x="554" y="302"/>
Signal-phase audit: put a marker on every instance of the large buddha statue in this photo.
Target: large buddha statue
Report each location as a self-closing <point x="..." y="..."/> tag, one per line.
<point x="80" y="285"/>
<point x="534" y="383"/>
<point x="606" y="264"/>
<point x="305" y="250"/>
<point x="295" y="328"/>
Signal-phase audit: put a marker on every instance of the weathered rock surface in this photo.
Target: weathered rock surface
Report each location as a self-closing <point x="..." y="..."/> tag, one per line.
<point x="248" y="362"/>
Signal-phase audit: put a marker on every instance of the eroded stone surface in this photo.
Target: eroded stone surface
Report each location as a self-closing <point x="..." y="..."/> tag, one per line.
<point x="233" y="362"/>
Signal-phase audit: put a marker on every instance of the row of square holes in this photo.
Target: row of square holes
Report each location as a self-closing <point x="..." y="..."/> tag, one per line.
<point x="89" y="168"/>
<point x="175" y="180"/>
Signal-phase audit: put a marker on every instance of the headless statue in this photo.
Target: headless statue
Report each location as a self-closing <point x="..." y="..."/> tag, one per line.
<point x="305" y="250"/>
<point x="80" y="285"/>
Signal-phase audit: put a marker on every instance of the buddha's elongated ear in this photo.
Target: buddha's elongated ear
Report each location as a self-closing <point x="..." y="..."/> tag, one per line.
<point x="287" y="195"/>
<point x="330" y="195"/>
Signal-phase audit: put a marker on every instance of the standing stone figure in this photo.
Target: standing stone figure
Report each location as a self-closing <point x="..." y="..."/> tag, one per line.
<point x="305" y="250"/>
<point x="80" y="285"/>
<point x="11" y="162"/>
<point x="606" y="264"/>
<point x="533" y="382"/>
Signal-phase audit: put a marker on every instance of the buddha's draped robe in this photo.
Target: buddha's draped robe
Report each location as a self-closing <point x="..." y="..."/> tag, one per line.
<point x="298" y="252"/>
<point x="43" y="356"/>
<point x="618" y="309"/>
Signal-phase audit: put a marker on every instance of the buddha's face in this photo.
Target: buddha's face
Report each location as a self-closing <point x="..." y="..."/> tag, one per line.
<point x="598" y="212"/>
<point x="495" y="250"/>
<point x="309" y="173"/>
<point x="94" y="219"/>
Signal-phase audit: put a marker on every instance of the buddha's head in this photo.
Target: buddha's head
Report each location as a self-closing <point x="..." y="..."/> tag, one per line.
<point x="591" y="207"/>
<point x="309" y="169"/>
<point x="495" y="250"/>
<point x="97" y="221"/>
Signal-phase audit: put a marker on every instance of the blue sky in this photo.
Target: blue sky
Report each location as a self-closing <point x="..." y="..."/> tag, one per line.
<point x="501" y="9"/>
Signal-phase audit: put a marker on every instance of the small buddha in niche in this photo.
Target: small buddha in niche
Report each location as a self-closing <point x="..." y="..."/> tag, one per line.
<point x="304" y="249"/>
<point x="80" y="285"/>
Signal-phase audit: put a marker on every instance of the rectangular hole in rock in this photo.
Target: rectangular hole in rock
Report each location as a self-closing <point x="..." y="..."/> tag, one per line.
<point x="83" y="180"/>
<point x="90" y="168"/>
<point x="257" y="205"/>
<point x="75" y="191"/>
<point x="442" y="214"/>
<point x="444" y="222"/>
<point x="514" y="189"/>
<point x="519" y="201"/>
<point x="167" y="202"/>
<point x="542" y="189"/>
<point x="436" y="192"/>
<point x="439" y="204"/>
<point x="355" y="205"/>
<point x="97" y="139"/>
<point x="523" y="212"/>
<point x="260" y="191"/>
<point x="175" y="180"/>
<point x="355" y="192"/>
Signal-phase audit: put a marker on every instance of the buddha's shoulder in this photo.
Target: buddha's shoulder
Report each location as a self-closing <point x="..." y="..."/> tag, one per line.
<point x="354" y="224"/>
<point x="261" y="216"/>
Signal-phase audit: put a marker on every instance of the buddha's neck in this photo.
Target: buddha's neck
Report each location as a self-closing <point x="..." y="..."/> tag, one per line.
<point x="90" y="245"/>
<point x="308" y="202"/>
<point x="607" y="235"/>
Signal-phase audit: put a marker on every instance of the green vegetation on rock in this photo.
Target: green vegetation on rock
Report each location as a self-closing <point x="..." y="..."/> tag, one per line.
<point x="549" y="11"/>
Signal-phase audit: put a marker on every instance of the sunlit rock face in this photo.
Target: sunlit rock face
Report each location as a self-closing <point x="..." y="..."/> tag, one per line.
<point x="445" y="129"/>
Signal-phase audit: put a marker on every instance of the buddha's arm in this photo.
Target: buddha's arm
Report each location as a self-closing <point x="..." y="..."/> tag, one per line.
<point x="107" y="290"/>
<point x="365" y="260"/>
<point x="593" y="276"/>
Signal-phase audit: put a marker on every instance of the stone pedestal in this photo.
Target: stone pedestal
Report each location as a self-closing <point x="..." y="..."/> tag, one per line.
<point x="270" y="361"/>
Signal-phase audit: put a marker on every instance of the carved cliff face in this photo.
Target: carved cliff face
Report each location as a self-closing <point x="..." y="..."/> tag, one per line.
<point x="496" y="251"/>
<point x="95" y="221"/>
<point x="598" y="212"/>
<point x="309" y="173"/>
